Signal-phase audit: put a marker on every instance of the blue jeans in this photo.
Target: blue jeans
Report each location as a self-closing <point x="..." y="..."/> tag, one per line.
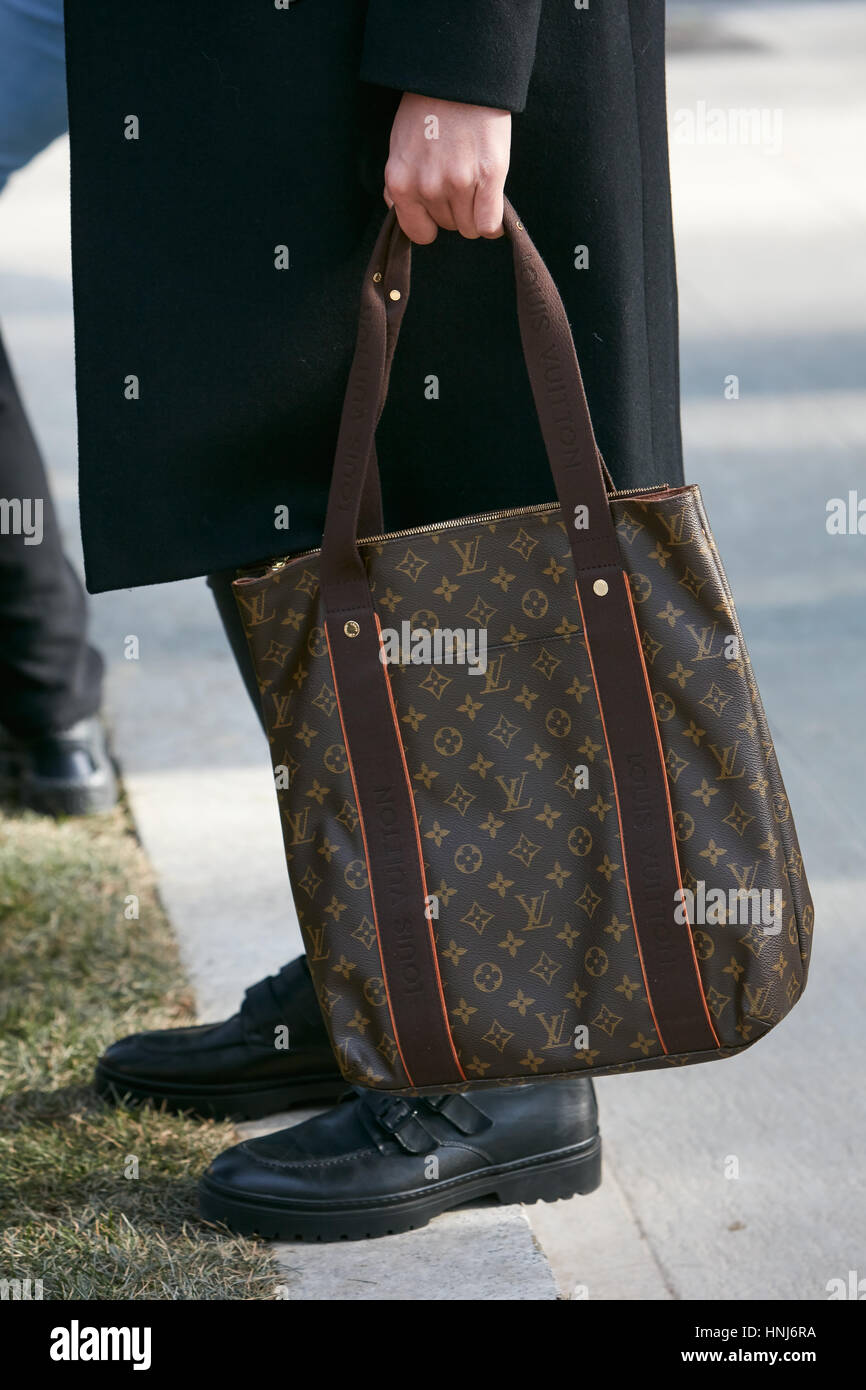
<point x="32" y="80"/>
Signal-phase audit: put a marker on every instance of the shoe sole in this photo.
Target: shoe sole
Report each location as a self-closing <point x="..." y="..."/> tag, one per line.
<point x="544" y="1178"/>
<point x="238" y="1103"/>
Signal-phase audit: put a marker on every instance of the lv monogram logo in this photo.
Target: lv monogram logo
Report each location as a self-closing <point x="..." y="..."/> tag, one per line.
<point x="254" y="605"/>
<point x="534" y="909"/>
<point x="704" y="639"/>
<point x="296" y="827"/>
<point x="468" y="554"/>
<point x="726" y="759"/>
<point x="756" y="1000"/>
<point x="745" y="876"/>
<point x="674" y="526"/>
<point x="493" y="675"/>
<point x="281" y="709"/>
<point x="513" y="789"/>
<point x="555" y="1031"/>
<point x="317" y="936"/>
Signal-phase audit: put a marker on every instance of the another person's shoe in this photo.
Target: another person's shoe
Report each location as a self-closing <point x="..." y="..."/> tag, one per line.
<point x="272" y="1054"/>
<point x="379" y="1164"/>
<point x="61" y="774"/>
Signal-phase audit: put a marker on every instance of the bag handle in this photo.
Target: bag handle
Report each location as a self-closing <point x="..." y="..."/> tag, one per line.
<point x="579" y="474"/>
<point x="371" y="520"/>
<point x="368" y="717"/>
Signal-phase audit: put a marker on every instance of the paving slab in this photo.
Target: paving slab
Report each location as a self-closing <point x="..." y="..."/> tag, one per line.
<point x="596" y="1247"/>
<point x="471" y="1255"/>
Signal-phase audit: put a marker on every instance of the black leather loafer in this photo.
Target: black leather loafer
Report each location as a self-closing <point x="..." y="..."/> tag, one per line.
<point x="241" y="1069"/>
<point x="377" y="1165"/>
<point x="62" y="774"/>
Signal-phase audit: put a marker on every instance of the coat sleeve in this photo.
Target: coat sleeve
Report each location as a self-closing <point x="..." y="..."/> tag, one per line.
<point x="477" y="51"/>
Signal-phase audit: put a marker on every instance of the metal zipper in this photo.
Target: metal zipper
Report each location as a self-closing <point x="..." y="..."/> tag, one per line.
<point x="482" y="519"/>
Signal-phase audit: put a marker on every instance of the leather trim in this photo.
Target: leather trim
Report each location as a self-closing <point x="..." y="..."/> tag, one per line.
<point x="670" y="814"/>
<point x="666" y="950"/>
<point x="389" y="828"/>
<point x="417" y="828"/>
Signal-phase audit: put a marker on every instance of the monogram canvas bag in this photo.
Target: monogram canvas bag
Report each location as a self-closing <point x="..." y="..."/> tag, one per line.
<point x="532" y="813"/>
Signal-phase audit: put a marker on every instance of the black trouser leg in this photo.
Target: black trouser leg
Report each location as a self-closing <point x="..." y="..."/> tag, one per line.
<point x="49" y="676"/>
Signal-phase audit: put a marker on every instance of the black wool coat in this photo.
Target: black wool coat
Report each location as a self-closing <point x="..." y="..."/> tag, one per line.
<point x="210" y="380"/>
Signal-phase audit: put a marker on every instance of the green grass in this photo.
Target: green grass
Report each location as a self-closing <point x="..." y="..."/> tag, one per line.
<point x="75" y="974"/>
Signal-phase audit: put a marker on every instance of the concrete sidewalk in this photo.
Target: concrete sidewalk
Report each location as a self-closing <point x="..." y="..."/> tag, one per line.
<point x="772" y="292"/>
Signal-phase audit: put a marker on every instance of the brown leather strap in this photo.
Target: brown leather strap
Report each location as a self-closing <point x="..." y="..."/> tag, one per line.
<point x="382" y="787"/>
<point x="392" y="846"/>
<point x="383" y="792"/>
<point x="371" y="517"/>
<point x="670" y="969"/>
<point x="370" y="520"/>
<point x="652" y="872"/>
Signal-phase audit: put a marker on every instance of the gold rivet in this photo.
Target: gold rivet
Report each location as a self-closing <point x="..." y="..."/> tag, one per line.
<point x="394" y="294"/>
<point x="351" y="628"/>
<point x="520" y="225"/>
<point x="600" y="587"/>
<point x="377" y="277"/>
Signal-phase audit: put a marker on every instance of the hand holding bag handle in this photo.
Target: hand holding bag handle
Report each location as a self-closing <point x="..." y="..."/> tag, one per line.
<point x="381" y="779"/>
<point x="554" y="375"/>
<point x="396" y="275"/>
